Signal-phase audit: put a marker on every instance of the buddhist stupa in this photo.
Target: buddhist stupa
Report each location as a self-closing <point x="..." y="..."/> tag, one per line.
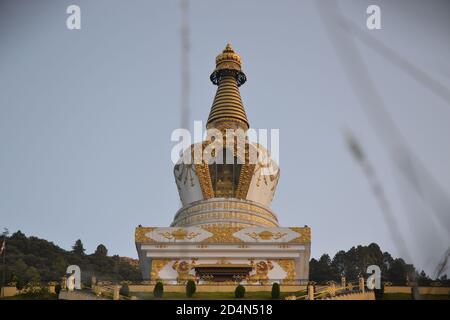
<point x="225" y="230"/>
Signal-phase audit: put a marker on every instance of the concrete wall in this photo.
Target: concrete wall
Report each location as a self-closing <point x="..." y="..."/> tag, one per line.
<point x="9" y="291"/>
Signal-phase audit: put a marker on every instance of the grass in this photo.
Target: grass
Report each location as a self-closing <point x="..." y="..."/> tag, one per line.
<point x="407" y="296"/>
<point x="264" y="295"/>
<point x="258" y="295"/>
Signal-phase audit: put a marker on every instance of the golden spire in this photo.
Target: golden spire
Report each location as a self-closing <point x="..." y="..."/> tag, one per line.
<point x="227" y="110"/>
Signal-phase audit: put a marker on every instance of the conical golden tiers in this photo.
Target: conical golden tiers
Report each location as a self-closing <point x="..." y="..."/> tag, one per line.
<point x="227" y="109"/>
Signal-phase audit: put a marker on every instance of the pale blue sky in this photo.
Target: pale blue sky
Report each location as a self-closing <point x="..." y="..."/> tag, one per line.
<point x="86" y="116"/>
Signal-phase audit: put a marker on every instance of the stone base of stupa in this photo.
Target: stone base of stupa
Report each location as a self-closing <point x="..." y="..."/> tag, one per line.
<point x="216" y="253"/>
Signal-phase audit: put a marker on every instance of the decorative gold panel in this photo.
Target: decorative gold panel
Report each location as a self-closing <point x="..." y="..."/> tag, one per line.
<point x="179" y="234"/>
<point x="204" y="179"/>
<point x="139" y="234"/>
<point x="289" y="267"/>
<point x="157" y="265"/>
<point x="222" y="235"/>
<point x="305" y="234"/>
<point x="266" y="235"/>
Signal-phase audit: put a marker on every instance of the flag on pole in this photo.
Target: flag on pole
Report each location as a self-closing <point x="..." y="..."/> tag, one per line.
<point x="3" y="246"/>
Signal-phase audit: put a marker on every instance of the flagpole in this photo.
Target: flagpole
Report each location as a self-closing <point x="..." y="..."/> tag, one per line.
<point x="4" y="266"/>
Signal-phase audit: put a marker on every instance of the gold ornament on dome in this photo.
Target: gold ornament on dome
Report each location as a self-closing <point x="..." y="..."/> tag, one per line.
<point x="179" y="234"/>
<point x="244" y="217"/>
<point x="266" y="235"/>
<point x="225" y="210"/>
<point x="202" y="171"/>
<point x="228" y="54"/>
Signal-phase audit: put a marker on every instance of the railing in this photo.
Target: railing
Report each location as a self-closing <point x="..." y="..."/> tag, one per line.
<point x="330" y="290"/>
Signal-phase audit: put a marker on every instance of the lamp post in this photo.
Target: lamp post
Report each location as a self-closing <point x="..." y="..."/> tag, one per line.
<point x="3" y="251"/>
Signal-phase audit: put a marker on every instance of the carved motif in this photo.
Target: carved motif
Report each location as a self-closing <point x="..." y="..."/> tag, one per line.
<point x="222" y="235"/>
<point x="179" y="234"/>
<point x="185" y="172"/>
<point x="139" y="234"/>
<point x="157" y="265"/>
<point x="289" y="267"/>
<point x="266" y="235"/>
<point x="262" y="269"/>
<point x="183" y="268"/>
<point x="305" y="234"/>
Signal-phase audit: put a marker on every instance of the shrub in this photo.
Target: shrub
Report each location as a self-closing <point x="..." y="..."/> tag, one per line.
<point x="57" y="290"/>
<point x="19" y="284"/>
<point x="275" y="291"/>
<point x="36" y="294"/>
<point x="124" y="290"/>
<point x="190" y="288"/>
<point x="414" y="292"/>
<point x="239" y="292"/>
<point x="158" y="291"/>
<point x="379" y="292"/>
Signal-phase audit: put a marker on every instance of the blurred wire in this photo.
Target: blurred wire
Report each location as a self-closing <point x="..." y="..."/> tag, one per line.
<point x="443" y="265"/>
<point x="368" y="97"/>
<point x="414" y="71"/>
<point x="185" y="71"/>
<point x="340" y="32"/>
<point x="378" y="190"/>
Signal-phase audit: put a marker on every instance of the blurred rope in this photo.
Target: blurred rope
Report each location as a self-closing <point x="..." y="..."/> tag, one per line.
<point x="340" y="32"/>
<point x="185" y="71"/>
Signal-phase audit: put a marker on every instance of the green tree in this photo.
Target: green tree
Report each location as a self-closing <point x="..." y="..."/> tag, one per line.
<point x="101" y="251"/>
<point x="78" y="248"/>
<point x="321" y="270"/>
<point x="20" y="284"/>
<point x="423" y="279"/>
<point x="339" y="264"/>
<point x="32" y="276"/>
<point x="397" y="271"/>
<point x="59" y="266"/>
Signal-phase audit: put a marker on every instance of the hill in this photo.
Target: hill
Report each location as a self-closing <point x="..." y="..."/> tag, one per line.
<point x="30" y="259"/>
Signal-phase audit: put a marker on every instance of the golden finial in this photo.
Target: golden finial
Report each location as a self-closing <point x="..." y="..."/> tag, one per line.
<point x="228" y="59"/>
<point x="227" y="106"/>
